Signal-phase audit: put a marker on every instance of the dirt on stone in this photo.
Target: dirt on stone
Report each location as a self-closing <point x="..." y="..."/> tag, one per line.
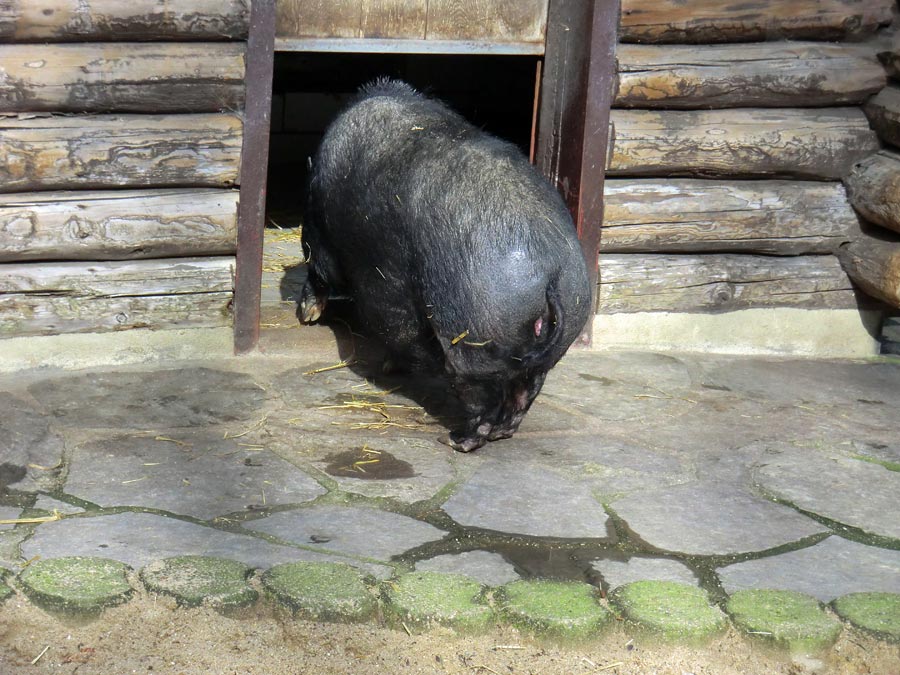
<point x="151" y="635"/>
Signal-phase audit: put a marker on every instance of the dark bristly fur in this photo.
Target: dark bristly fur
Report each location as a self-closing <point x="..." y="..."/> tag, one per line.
<point x="458" y="254"/>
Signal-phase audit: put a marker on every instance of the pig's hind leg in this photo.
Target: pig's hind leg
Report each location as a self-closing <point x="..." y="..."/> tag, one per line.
<point x="323" y="277"/>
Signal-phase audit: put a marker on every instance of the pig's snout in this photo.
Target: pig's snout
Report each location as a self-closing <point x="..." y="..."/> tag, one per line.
<point x="504" y="420"/>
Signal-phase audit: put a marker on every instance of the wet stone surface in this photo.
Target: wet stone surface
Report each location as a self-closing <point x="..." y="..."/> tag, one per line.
<point x="826" y="570"/>
<point x="754" y="473"/>
<point x="139" y="539"/>
<point x="163" y="399"/>
<point x="405" y="469"/>
<point x="30" y="454"/>
<point x="517" y="499"/>
<point x="711" y="519"/>
<point x="8" y="513"/>
<point x="489" y="569"/>
<point x="365" y="532"/>
<point x="831" y="484"/>
<point x="203" y="477"/>
<point x="617" y="573"/>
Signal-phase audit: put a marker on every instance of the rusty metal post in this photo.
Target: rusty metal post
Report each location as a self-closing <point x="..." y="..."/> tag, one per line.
<point x="254" y="164"/>
<point x="577" y="92"/>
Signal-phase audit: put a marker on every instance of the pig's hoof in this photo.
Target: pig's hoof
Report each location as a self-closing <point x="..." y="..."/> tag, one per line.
<point x="466" y="443"/>
<point x="311" y="306"/>
<point x="500" y="434"/>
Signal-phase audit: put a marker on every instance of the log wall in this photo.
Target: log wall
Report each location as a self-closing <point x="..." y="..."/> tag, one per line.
<point x="872" y="256"/>
<point x="734" y="126"/>
<point x="120" y="147"/>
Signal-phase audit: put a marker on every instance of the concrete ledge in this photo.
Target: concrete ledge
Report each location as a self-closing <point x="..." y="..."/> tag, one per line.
<point x="84" y="350"/>
<point x="824" y="333"/>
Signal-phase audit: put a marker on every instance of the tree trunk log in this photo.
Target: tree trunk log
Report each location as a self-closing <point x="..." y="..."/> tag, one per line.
<point x="71" y="297"/>
<point x="886" y="44"/>
<point x="103" y="20"/>
<point x="698" y="283"/>
<point x="800" y="74"/>
<point x="683" y="215"/>
<point x="884" y="113"/>
<point x="117" y="225"/>
<point x="873" y="262"/>
<point x="704" y="21"/>
<point x="46" y="153"/>
<point x="817" y="144"/>
<point x="874" y="189"/>
<point x="122" y="77"/>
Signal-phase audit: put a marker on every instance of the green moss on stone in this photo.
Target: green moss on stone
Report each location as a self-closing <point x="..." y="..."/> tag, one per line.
<point x="191" y="580"/>
<point x="876" y="613"/>
<point x="5" y="591"/>
<point x="422" y="599"/>
<point x="321" y="591"/>
<point x="787" y="618"/>
<point x="79" y="585"/>
<point x="670" y="610"/>
<point x="562" y="610"/>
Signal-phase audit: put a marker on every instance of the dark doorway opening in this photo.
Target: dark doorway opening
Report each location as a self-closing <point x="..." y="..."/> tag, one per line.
<point x="309" y="89"/>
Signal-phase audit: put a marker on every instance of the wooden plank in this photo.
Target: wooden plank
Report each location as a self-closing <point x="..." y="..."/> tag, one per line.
<point x="873" y="262"/>
<point x="577" y="86"/>
<point x="102" y="20"/>
<point x="707" y="21"/>
<point x="874" y="189"/>
<point x="685" y="215"/>
<point x="720" y="282"/>
<point x="883" y="111"/>
<point x="318" y="18"/>
<point x="403" y="46"/>
<point x="122" y="77"/>
<point x="117" y="225"/>
<point x="100" y="151"/>
<point x="254" y="167"/>
<point x="800" y="143"/>
<point x="394" y="19"/>
<point x="494" y="20"/>
<point x="73" y="297"/>
<point x="782" y="74"/>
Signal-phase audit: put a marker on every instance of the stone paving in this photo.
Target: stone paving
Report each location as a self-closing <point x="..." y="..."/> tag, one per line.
<point x="722" y="473"/>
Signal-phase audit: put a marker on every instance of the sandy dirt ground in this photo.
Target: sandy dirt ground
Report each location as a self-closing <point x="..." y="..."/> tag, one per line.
<point x="150" y="635"/>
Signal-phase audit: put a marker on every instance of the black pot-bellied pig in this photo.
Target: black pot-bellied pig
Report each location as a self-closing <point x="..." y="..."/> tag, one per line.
<point x="457" y="253"/>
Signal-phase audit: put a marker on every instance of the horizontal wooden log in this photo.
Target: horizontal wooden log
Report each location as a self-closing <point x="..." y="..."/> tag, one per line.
<point x="873" y="188"/>
<point x="780" y="74"/>
<point x="720" y="282"/>
<point x="102" y="20"/>
<point x="117" y="224"/>
<point x="883" y="111"/>
<point x="873" y="262"/>
<point x="122" y="77"/>
<point x="799" y="143"/>
<point x="886" y="45"/>
<point x="705" y="21"/>
<point x="44" y="153"/>
<point x="72" y="297"/>
<point x="685" y="215"/>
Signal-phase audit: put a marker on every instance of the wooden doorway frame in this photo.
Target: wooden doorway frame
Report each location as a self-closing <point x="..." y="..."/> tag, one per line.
<point x="576" y="93"/>
<point x="577" y="90"/>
